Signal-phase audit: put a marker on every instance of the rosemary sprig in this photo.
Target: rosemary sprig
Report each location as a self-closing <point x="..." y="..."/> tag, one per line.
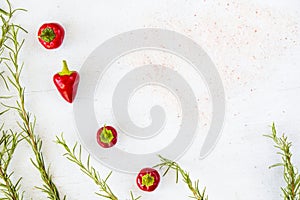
<point x="8" y="143"/>
<point x="74" y="155"/>
<point x="6" y="16"/>
<point x="9" y="140"/>
<point x="194" y="188"/>
<point x="27" y="123"/>
<point x="290" y="173"/>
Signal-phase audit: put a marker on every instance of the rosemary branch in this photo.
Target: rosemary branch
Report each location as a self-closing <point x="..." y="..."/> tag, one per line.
<point x="6" y="17"/>
<point x="8" y="140"/>
<point x="8" y="143"/>
<point x="74" y="155"/>
<point x="194" y="188"/>
<point x="290" y="173"/>
<point x="27" y="124"/>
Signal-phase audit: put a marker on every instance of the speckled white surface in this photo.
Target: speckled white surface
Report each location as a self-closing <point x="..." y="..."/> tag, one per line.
<point x="255" y="46"/>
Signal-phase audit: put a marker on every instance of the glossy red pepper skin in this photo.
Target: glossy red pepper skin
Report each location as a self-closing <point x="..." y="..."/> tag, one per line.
<point x="148" y="173"/>
<point x="112" y="141"/>
<point x="51" y="35"/>
<point x="66" y="83"/>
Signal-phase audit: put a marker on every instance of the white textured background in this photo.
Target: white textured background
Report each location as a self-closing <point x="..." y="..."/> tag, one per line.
<point x="255" y="46"/>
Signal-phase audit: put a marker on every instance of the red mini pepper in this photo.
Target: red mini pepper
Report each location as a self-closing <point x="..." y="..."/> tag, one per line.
<point x="148" y="179"/>
<point x="66" y="82"/>
<point x="107" y="136"/>
<point x="51" y="35"/>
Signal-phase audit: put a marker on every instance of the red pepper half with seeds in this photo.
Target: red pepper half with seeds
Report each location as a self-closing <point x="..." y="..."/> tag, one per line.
<point x="107" y="136"/>
<point x="51" y="35"/>
<point x="66" y="82"/>
<point x="148" y="179"/>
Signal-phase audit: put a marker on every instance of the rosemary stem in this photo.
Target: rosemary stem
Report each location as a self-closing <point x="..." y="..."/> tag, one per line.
<point x="53" y="191"/>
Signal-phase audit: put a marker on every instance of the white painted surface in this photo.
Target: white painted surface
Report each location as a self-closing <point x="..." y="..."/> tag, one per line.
<point x="255" y="46"/>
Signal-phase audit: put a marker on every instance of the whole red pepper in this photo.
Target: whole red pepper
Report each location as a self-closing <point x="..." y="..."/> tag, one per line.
<point x="107" y="136"/>
<point x="148" y="179"/>
<point x="66" y="82"/>
<point x="51" y="35"/>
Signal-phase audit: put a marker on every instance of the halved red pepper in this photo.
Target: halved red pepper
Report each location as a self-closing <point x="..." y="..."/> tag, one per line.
<point x="66" y="82"/>
<point x="148" y="179"/>
<point x="107" y="136"/>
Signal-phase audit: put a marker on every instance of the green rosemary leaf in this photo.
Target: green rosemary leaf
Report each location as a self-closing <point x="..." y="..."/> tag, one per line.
<point x="276" y="165"/>
<point x="3" y="12"/>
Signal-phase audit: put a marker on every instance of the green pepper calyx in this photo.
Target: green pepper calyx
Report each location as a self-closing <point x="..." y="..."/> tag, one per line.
<point x="47" y="35"/>
<point x="106" y="136"/>
<point x="147" y="180"/>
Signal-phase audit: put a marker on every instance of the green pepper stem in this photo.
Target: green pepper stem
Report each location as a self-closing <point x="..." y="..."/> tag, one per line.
<point x="65" y="70"/>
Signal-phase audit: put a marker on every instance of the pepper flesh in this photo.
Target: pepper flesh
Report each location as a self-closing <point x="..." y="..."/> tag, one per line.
<point x="51" y="35"/>
<point x="67" y="82"/>
<point x="148" y="179"/>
